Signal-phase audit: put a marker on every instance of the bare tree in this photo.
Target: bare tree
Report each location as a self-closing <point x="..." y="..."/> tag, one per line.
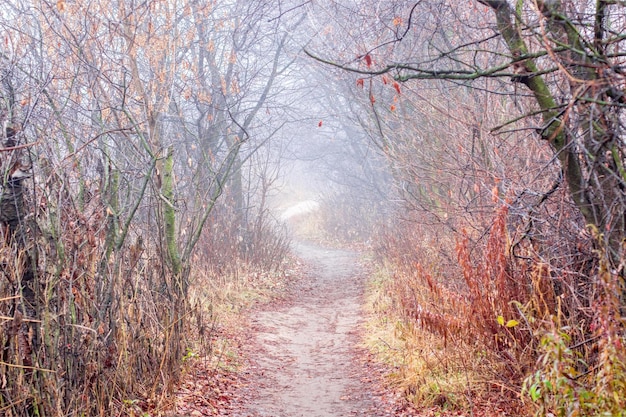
<point x="135" y="118"/>
<point x="562" y="60"/>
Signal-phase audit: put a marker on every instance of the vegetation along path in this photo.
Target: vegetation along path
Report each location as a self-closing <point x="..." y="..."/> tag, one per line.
<point x="307" y="362"/>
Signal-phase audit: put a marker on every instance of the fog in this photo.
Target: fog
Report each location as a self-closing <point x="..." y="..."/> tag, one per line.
<point x="159" y="157"/>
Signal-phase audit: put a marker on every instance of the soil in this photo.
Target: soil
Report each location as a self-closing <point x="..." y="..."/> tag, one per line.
<point x="302" y="355"/>
<point x="302" y="352"/>
<point x="305" y="359"/>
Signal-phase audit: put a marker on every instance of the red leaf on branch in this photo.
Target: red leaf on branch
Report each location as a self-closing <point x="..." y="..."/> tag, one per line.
<point x="397" y="87"/>
<point x="320" y="124"/>
<point x="385" y="80"/>
<point x="372" y="99"/>
<point x="368" y="60"/>
<point x="359" y="82"/>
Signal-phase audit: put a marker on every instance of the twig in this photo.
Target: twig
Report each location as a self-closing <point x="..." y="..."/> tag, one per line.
<point x="18" y="147"/>
<point x="289" y="10"/>
<point x="13" y="404"/>
<point x="584" y="342"/>
<point x="22" y="319"/>
<point x="34" y="368"/>
<point x="78" y="326"/>
<point x="84" y="145"/>
<point x="388" y="345"/>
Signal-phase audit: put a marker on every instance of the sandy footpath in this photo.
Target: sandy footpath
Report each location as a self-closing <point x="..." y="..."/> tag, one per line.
<point x="305" y="362"/>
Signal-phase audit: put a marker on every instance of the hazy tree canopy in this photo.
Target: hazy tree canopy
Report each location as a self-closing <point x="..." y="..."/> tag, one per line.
<point x="560" y="61"/>
<point x="477" y="147"/>
<point x="128" y="131"/>
<point x="503" y="125"/>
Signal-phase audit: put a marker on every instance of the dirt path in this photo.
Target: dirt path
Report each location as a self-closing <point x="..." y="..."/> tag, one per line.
<point x="304" y="362"/>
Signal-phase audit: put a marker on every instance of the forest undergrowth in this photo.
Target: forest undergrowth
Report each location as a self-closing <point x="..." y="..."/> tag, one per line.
<point x="216" y="353"/>
<point x="116" y="335"/>
<point x="482" y="321"/>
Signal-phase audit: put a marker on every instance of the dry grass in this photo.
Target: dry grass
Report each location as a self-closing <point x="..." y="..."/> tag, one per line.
<point x="462" y="331"/>
<point x="430" y="370"/>
<point x="104" y="332"/>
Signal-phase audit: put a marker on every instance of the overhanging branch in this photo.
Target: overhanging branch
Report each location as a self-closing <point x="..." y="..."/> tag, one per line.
<point x="417" y="73"/>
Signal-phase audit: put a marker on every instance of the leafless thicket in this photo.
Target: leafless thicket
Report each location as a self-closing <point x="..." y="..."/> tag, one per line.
<point x="131" y="172"/>
<point x="503" y="124"/>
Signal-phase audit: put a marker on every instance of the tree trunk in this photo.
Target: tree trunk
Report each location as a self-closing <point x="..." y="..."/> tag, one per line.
<point x="169" y="213"/>
<point x="22" y="269"/>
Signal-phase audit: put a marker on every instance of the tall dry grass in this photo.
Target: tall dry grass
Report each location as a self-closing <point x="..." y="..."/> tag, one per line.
<point x="533" y="325"/>
<point x="102" y="330"/>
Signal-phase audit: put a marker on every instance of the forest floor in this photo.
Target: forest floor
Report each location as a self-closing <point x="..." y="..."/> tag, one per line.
<point x="301" y="354"/>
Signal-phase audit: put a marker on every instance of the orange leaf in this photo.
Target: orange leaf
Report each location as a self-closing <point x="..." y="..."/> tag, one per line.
<point x="397" y="87"/>
<point x="397" y="21"/>
<point x="392" y="108"/>
<point x="368" y="60"/>
<point x="494" y="194"/>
